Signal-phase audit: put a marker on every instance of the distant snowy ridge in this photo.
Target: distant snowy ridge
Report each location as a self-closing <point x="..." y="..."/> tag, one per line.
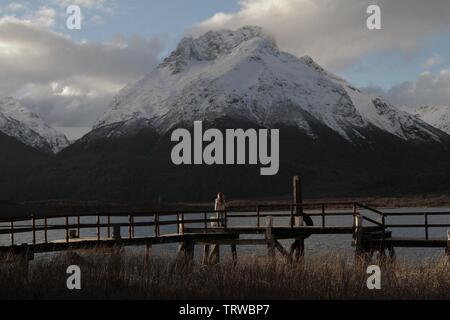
<point x="242" y="74"/>
<point x="437" y="116"/>
<point x="18" y="122"/>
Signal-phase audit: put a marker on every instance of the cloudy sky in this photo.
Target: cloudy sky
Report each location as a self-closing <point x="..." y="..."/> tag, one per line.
<point x="69" y="77"/>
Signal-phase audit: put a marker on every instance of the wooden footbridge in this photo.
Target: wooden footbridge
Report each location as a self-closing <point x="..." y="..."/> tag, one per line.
<point x="242" y="225"/>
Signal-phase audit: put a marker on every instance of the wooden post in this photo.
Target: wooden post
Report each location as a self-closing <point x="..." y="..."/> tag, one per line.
<point x="258" y="216"/>
<point x="130" y="232"/>
<point x="12" y="233"/>
<point x="116" y="233"/>
<point x="156" y="225"/>
<point x="234" y="253"/>
<point x="45" y="230"/>
<point x="79" y="226"/>
<point x="206" y="247"/>
<point x="98" y="228"/>
<point x="225" y="218"/>
<point x="109" y="227"/>
<point x="292" y="216"/>
<point x="358" y="235"/>
<point x="270" y="238"/>
<point x="67" y="229"/>
<point x="180" y="224"/>
<point x="25" y="257"/>
<point x="34" y="229"/>
<point x="183" y="246"/>
<point x="298" y="247"/>
<point x="448" y="243"/>
<point x="147" y="254"/>
<point x="355" y="223"/>
<point x="298" y="200"/>
<point x="186" y="251"/>
<point x="323" y="216"/>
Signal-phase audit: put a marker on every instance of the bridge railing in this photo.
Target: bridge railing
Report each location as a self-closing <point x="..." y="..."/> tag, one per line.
<point x="426" y="225"/>
<point x="323" y="210"/>
<point x="156" y="221"/>
<point x="33" y="225"/>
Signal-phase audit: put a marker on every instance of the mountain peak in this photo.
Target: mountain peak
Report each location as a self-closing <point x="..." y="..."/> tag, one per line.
<point x="436" y="116"/>
<point x="214" y="44"/>
<point x="242" y="75"/>
<point x="19" y="122"/>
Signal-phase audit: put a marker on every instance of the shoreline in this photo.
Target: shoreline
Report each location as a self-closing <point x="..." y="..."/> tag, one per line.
<point x="54" y="207"/>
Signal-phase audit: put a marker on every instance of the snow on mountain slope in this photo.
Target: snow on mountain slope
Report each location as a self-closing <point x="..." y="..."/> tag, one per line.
<point x="242" y="74"/>
<point x="19" y="122"/>
<point x="437" y="116"/>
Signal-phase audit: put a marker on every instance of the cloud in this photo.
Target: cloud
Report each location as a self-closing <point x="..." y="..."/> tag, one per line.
<point x="44" y="16"/>
<point x="432" y="61"/>
<point x="66" y="82"/>
<point x="427" y="89"/>
<point x="107" y="6"/>
<point x="16" y="7"/>
<point x="334" y="32"/>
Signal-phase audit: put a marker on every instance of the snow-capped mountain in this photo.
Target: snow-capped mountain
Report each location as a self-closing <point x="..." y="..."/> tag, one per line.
<point x="243" y="75"/>
<point x="18" y="122"/>
<point x="437" y="116"/>
<point x="338" y="139"/>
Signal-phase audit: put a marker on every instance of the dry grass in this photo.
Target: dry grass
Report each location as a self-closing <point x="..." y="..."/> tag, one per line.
<point x="319" y="277"/>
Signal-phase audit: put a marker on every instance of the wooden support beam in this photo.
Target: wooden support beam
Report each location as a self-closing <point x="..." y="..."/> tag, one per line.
<point x="147" y="254"/>
<point x="186" y="251"/>
<point x="234" y="253"/>
<point x="25" y="257"/>
<point x="297" y="249"/>
<point x="206" y="254"/>
<point x="214" y="256"/>
<point x="280" y="248"/>
<point x="116" y="258"/>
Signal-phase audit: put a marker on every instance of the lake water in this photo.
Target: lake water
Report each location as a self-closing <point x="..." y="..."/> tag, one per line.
<point x="314" y="245"/>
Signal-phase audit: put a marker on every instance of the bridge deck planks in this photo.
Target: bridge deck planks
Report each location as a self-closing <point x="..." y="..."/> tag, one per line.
<point x="85" y="243"/>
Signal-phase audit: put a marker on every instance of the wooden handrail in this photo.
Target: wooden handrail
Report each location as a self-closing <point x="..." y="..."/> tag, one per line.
<point x="184" y="218"/>
<point x="370" y="209"/>
<point x="373" y="221"/>
<point x="401" y="214"/>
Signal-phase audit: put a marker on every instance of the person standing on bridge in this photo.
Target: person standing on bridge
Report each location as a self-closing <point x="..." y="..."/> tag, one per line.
<point x="212" y="253"/>
<point x="220" y="207"/>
